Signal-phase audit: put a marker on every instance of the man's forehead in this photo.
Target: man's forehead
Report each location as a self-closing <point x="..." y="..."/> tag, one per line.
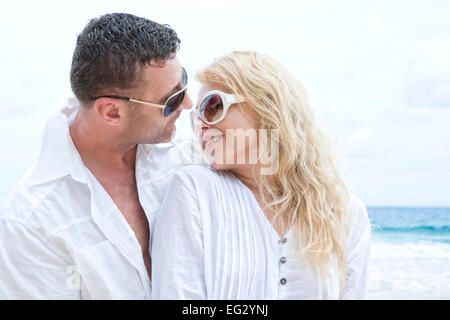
<point x="163" y="69"/>
<point x="160" y="80"/>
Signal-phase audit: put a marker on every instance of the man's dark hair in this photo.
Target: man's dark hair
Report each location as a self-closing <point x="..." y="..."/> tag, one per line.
<point x="112" y="50"/>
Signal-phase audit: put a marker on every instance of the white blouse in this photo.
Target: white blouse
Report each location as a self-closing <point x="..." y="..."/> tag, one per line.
<point x="212" y="241"/>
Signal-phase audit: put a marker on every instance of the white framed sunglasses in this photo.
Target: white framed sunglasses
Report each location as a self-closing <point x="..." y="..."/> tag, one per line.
<point x="214" y="107"/>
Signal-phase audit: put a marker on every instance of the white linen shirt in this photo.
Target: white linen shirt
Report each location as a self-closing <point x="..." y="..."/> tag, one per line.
<point x="62" y="236"/>
<point x="213" y="241"/>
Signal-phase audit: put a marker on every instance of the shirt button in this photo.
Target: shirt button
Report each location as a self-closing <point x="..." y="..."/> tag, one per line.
<point x="283" y="259"/>
<point x="283" y="281"/>
<point x="283" y="240"/>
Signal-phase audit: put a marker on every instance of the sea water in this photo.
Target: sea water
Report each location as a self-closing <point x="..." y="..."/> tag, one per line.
<point x="410" y="257"/>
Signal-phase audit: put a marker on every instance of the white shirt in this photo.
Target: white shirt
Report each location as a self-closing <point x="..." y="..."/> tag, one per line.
<point x="62" y="236"/>
<point x="213" y="241"/>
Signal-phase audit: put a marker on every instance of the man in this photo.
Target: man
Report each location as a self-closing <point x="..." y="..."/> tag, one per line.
<point x="78" y="224"/>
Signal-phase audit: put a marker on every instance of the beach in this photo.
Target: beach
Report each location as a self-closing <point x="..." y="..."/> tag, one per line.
<point x="410" y="256"/>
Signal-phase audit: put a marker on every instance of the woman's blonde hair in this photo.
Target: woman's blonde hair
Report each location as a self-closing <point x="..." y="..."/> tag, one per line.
<point x="308" y="184"/>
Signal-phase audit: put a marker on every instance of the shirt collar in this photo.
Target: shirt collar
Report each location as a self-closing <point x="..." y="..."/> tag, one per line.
<point x="58" y="155"/>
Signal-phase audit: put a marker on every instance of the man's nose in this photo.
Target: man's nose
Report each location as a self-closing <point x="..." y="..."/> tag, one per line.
<point x="187" y="102"/>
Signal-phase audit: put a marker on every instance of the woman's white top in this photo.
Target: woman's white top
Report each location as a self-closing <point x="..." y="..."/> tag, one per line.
<point x="212" y="241"/>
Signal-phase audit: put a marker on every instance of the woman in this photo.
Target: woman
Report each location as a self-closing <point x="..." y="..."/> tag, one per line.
<point x="239" y="230"/>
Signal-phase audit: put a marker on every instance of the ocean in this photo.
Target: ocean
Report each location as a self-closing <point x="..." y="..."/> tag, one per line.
<point x="410" y="256"/>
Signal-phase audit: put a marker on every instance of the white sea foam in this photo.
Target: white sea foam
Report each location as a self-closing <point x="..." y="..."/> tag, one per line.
<point x="408" y="270"/>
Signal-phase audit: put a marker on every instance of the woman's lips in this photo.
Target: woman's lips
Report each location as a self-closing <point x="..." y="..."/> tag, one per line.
<point x="206" y="145"/>
<point x="210" y="134"/>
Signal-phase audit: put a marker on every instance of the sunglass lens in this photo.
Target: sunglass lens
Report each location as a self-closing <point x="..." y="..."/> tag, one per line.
<point x="211" y="108"/>
<point x="173" y="103"/>
<point x="184" y="77"/>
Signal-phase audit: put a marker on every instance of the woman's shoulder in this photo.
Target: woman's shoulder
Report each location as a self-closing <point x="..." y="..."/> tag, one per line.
<point x="356" y="204"/>
<point x="194" y="173"/>
<point x="200" y="177"/>
<point x="358" y="213"/>
<point x="209" y="189"/>
<point x="194" y="170"/>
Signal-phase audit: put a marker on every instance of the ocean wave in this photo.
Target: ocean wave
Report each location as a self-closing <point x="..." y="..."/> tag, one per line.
<point x="438" y="230"/>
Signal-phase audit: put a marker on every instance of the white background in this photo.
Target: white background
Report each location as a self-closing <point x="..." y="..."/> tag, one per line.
<point x="377" y="74"/>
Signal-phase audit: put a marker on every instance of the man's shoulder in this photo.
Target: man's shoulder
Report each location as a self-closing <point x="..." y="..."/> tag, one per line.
<point x="38" y="204"/>
<point x="23" y="199"/>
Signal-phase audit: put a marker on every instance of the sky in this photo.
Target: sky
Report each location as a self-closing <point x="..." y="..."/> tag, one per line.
<point x="377" y="75"/>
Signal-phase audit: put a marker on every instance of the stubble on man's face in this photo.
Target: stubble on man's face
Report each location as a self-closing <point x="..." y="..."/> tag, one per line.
<point x="146" y="123"/>
<point x="146" y="127"/>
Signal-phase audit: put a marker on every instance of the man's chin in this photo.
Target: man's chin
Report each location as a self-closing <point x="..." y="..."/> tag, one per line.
<point x="168" y="137"/>
<point x="161" y="138"/>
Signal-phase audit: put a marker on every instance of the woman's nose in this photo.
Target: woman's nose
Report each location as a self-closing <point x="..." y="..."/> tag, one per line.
<point x="204" y="125"/>
<point x="196" y="123"/>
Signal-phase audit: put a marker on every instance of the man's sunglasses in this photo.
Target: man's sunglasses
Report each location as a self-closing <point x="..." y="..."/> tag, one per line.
<point x="214" y="107"/>
<point x="172" y="103"/>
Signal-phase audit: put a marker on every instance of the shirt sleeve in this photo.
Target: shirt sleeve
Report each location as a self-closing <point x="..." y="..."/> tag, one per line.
<point x="358" y="253"/>
<point x="31" y="267"/>
<point x="177" y="245"/>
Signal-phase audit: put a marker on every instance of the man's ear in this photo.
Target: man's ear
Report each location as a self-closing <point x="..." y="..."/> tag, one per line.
<point x="108" y="110"/>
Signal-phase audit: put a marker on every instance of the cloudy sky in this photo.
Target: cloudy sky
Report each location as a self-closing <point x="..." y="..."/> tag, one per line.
<point x="377" y="74"/>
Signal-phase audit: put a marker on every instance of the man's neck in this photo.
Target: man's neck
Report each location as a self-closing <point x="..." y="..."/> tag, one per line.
<point x="101" y="151"/>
